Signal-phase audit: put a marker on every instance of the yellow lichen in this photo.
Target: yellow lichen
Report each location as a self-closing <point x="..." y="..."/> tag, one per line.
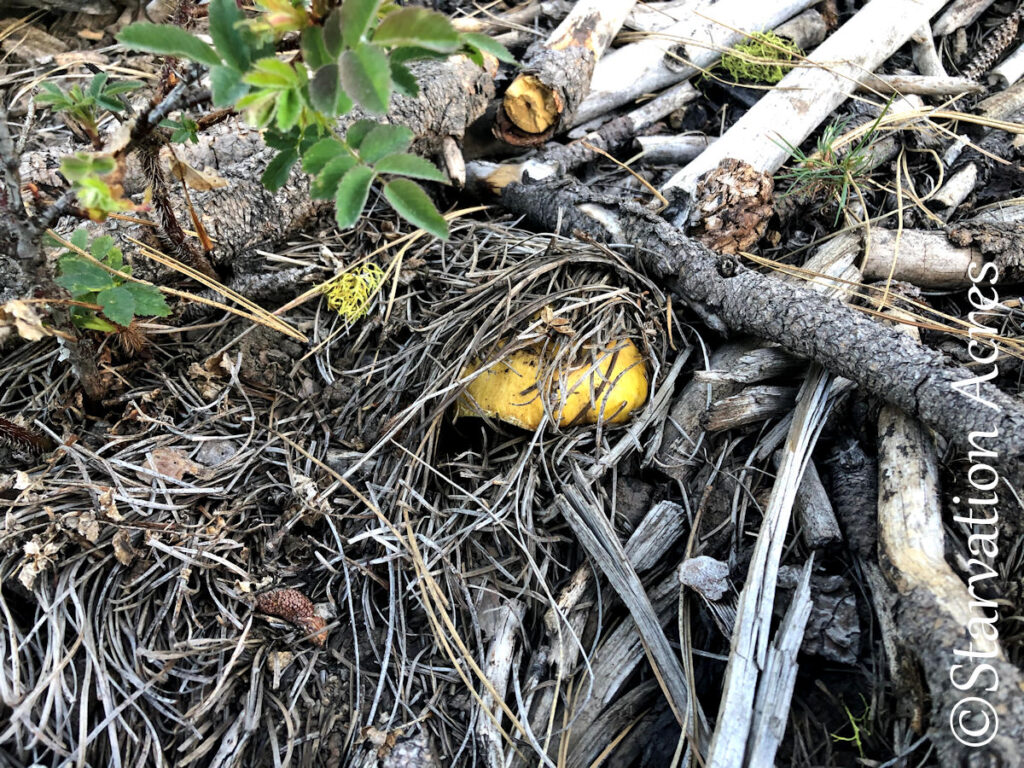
<point x="350" y="293"/>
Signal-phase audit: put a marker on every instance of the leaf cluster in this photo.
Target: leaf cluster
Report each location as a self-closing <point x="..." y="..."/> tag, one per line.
<point x="356" y="55"/>
<point x="85" y="105"/>
<point x="119" y="300"/>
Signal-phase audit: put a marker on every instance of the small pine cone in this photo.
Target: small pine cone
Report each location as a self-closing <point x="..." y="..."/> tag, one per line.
<point x="732" y="206"/>
<point x="294" y="607"/>
<point x="993" y="47"/>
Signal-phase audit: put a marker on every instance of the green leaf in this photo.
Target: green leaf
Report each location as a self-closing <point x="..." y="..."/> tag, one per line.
<point x="271" y="73"/>
<point x="259" y="107"/>
<point x="124" y="86"/>
<point x="314" y="52"/>
<point x="80" y="238"/>
<point x="227" y="86"/>
<point x="326" y="183"/>
<point x="89" y="321"/>
<point x="277" y="170"/>
<point x="80" y="276"/>
<point x="97" y="83"/>
<point x="357" y="132"/>
<point x="227" y="39"/>
<point x="118" y="304"/>
<point x="333" y="37"/>
<point x="412" y="203"/>
<point x="324" y="90"/>
<point x="81" y="164"/>
<point x="384" y="140"/>
<point x="321" y="153"/>
<point x="356" y="16"/>
<point x="289" y="106"/>
<point x="149" y="301"/>
<point x="366" y="77"/>
<point x="168" y="40"/>
<point x="488" y="45"/>
<point x="420" y="27"/>
<point x="100" y="246"/>
<point x="409" y="165"/>
<point x="351" y="195"/>
<point x="403" y="79"/>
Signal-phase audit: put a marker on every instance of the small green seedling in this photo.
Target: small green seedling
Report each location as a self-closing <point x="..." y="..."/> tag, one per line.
<point x="86" y="106"/>
<point x="119" y="299"/>
<point x="830" y="171"/>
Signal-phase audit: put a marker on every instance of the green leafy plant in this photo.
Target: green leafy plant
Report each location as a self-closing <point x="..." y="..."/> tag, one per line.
<point x="86" y="105"/>
<point x="832" y="170"/>
<point x="355" y="54"/>
<point x="119" y="299"/>
<point x="765" y="58"/>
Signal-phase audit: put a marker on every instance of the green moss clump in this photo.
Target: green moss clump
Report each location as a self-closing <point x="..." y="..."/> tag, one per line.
<point x="765" y="58"/>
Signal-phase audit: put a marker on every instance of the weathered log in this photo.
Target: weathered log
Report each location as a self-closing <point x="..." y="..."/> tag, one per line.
<point x="920" y="85"/>
<point x="1009" y="71"/>
<point x="882" y="361"/>
<point x="556" y="74"/>
<point x="673" y="149"/>
<point x="960" y="13"/>
<point x="808" y="95"/>
<point x="924" y="258"/>
<point x="651" y="65"/>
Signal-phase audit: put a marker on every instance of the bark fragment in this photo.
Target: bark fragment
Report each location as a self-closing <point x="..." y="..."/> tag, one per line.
<point x="556" y="74"/>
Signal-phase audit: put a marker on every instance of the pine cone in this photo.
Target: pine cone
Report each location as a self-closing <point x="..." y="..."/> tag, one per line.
<point x="732" y="206"/>
<point x="993" y="47"/>
<point x="295" y="608"/>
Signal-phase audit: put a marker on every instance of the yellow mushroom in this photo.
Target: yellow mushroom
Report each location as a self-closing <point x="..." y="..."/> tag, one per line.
<point x="608" y="390"/>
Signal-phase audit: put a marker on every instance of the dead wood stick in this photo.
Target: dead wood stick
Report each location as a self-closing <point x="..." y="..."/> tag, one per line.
<point x="922" y="85"/>
<point x="924" y="258"/>
<point x="672" y="149"/>
<point x="747" y="680"/>
<point x="728" y="296"/>
<point x="816" y="519"/>
<point x="1009" y="71"/>
<point x="659" y="530"/>
<point x="960" y="14"/>
<point x="946" y="624"/>
<point x="502" y="624"/>
<point x="556" y="74"/>
<point x="678" y="52"/>
<point x="809" y="94"/>
<point x="743" y="362"/>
